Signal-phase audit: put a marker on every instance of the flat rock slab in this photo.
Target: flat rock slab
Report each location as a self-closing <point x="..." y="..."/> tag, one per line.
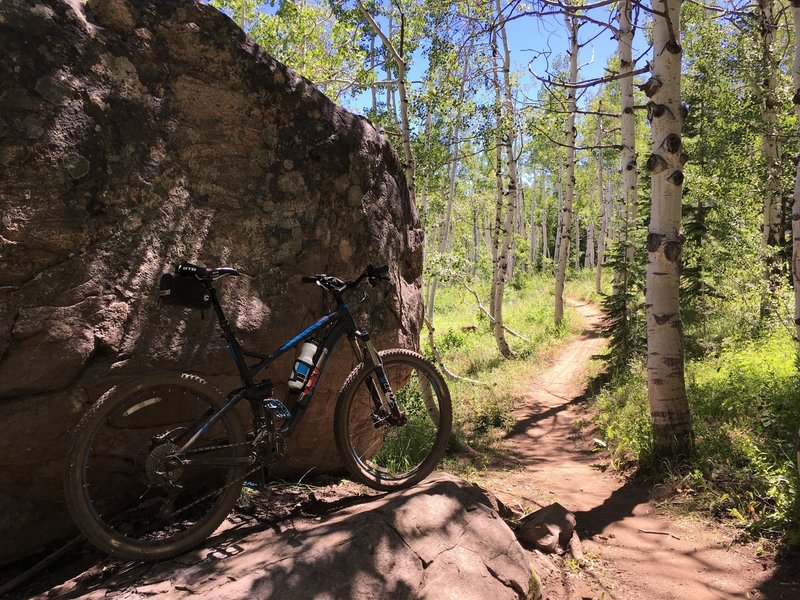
<point x="441" y="539"/>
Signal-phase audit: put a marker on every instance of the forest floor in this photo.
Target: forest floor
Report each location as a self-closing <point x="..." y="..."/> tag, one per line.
<point x="634" y="549"/>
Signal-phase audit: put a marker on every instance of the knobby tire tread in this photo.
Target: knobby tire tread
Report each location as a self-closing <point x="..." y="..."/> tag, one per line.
<point x="76" y="501"/>
<point x="344" y="398"/>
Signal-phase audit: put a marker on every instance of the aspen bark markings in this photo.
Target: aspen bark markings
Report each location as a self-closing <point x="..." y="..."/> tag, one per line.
<point x="630" y="170"/>
<point x="669" y="408"/>
<point x="796" y="202"/>
<point x="506" y="137"/>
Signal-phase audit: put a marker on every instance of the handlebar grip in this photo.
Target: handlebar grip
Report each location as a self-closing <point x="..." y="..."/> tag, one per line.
<point x="308" y="279"/>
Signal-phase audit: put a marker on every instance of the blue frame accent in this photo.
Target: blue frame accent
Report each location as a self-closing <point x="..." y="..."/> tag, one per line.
<point x="306" y="332"/>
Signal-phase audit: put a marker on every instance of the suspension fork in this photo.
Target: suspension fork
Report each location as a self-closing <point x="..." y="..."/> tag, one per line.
<point x="383" y="398"/>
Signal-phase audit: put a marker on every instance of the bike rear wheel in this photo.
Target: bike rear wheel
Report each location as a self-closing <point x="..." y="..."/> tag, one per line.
<point x="125" y="490"/>
<point x="383" y="455"/>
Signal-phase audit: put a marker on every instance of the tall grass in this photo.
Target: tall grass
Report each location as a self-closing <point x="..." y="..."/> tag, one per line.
<point x="745" y="404"/>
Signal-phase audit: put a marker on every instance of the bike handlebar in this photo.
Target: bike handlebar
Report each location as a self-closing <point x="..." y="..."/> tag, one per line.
<point x="328" y="282"/>
<point x="334" y="284"/>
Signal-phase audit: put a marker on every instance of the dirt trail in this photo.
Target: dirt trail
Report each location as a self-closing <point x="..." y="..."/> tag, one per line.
<point x="550" y="462"/>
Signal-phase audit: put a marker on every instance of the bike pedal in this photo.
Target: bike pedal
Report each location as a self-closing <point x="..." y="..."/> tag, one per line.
<point x="277" y="408"/>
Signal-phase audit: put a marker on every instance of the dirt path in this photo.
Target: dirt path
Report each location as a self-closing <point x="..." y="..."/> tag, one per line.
<point x="550" y="462"/>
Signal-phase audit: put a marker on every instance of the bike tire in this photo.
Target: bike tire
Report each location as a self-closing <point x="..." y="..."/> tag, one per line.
<point x="384" y="456"/>
<point x="118" y="485"/>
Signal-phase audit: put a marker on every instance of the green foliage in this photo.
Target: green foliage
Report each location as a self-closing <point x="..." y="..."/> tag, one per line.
<point x="746" y="406"/>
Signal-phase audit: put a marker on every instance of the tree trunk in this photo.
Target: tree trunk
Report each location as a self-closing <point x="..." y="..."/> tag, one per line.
<point x="566" y="210"/>
<point x="601" y="241"/>
<point x="577" y="243"/>
<point x="559" y="209"/>
<point x="588" y="262"/>
<point x="630" y="169"/>
<point x="669" y="408"/>
<point x="533" y="230"/>
<point x="796" y="203"/>
<point x="545" y="239"/>
<point x="506" y="137"/>
<point x="770" y="151"/>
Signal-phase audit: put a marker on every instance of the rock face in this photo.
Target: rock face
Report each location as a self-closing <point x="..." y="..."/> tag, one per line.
<point x="438" y="540"/>
<point x="137" y="134"/>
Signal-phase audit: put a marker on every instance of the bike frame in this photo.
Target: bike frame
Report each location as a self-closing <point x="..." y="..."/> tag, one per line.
<point x="336" y="323"/>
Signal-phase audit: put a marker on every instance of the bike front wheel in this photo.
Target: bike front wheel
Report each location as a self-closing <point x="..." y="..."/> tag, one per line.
<point x="126" y="490"/>
<point x="379" y="452"/>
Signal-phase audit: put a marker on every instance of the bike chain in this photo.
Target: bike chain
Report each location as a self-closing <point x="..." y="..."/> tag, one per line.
<point x="219" y="489"/>
<point x="259" y="464"/>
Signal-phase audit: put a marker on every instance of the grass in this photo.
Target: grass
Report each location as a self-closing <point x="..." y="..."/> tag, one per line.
<point x="745" y="404"/>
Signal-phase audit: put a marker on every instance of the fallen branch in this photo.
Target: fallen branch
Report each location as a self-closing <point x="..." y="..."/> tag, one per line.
<point x="488" y="316"/>
<point x="439" y="360"/>
<point x="658" y="533"/>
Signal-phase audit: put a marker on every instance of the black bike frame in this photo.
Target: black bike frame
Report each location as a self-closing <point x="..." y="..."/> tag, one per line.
<point x="338" y="322"/>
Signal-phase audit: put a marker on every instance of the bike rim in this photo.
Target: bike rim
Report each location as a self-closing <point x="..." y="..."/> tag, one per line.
<point x="132" y="490"/>
<point x="389" y="452"/>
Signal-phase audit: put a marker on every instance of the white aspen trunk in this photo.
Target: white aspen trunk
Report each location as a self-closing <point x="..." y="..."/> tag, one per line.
<point x="559" y="208"/>
<point x="566" y="209"/>
<point x="475" y="242"/>
<point x="498" y="176"/>
<point x="533" y="231"/>
<point x="630" y="169"/>
<point x="669" y="408"/>
<point x="601" y="241"/>
<point x="770" y="151"/>
<point x="506" y="136"/>
<point x="796" y="202"/>
<point x="577" y="243"/>
<point x="545" y="240"/>
<point x="588" y="263"/>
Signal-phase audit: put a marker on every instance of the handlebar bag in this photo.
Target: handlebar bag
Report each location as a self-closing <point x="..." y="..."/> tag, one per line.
<point x="184" y="291"/>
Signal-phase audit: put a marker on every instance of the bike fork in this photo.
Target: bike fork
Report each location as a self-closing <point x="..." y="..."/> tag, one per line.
<point x="386" y="408"/>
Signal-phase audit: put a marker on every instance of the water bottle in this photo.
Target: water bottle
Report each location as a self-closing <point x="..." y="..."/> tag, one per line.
<point x="303" y="366"/>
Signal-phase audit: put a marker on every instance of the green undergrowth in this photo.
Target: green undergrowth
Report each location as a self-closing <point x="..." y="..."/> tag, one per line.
<point x="745" y="404"/>
<point x="465" y="338"/>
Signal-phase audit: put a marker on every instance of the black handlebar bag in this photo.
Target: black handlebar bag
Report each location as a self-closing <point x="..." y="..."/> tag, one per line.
<point x="184" y="291"/>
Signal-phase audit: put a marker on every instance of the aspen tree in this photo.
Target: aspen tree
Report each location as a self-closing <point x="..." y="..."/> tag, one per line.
<point x="601" y="241"/>
<point x="770" y="151"/>
<point x="796" y="202"/>
<point x="505" y="137"/>
<point x="630" y="169"/>
<point x="569" y="188"/>
<point x="669" y="408"/>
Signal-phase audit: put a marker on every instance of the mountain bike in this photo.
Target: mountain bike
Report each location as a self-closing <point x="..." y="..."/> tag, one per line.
<point x="157" y="463"/>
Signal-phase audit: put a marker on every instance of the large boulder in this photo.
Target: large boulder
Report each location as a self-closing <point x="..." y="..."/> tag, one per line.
<point x="440" y="540"/>
<point x="136" y="134"/>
